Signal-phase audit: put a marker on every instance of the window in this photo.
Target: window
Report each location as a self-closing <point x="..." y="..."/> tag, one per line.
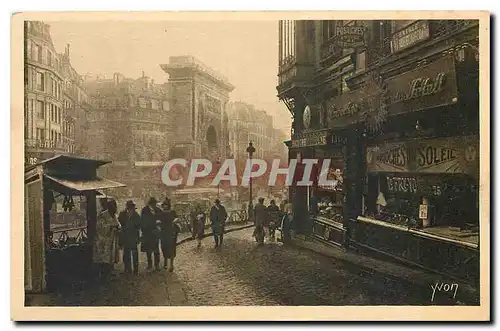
<point x="28" y="50"/>
<point x="166" y="105"/>
<point x="154" y="104"/>
<point x="49" y="58"/>
<point x="40" y="80"/>
<point x="35" y="52"/>
<point x="329" y="29"/>
<point x="345" y="77"/>
<point x="360" y="61"/>
<point x="142" y="102"/>
<point x="40" y="109"/>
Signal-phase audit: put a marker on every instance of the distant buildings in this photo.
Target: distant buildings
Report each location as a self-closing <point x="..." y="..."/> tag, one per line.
<point x="130" y="122"/>
<point x="135" y="123"/>
<point x="246" y="124"/>
<point x="54" y="96"/>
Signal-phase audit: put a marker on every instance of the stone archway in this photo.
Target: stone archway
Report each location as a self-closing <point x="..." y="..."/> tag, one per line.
<point x="211" y="139"/>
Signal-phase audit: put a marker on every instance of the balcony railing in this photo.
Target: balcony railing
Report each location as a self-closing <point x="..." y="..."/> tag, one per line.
<point x="44" y="144"/>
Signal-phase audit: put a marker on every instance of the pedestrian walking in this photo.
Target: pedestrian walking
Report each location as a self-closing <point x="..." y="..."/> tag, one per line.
<point x="218" y="217"/>
<point x="199" y="219"/>
<point x="274" y="218"/>
<point x="286" y="224"/>
<point x="261" y="216"/>
<point x="105" y="245"/>
<point x="168" y="235"/>
<point x="130" y="222"/>
<point x="150" y="228"/>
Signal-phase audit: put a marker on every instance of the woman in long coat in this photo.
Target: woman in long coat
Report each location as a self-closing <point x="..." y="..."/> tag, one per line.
<point x="105" y="247"/>
<point x="168" y="235"/>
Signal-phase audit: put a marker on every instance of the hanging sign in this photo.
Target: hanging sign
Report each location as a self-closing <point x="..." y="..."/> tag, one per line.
<point x="306" y="139"/>
<point x="352" y="36"/>
<point x="409" y="36"/>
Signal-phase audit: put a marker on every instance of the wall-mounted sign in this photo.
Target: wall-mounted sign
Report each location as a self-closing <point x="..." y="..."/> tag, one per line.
<point x="307" y="117"/>
<point x="425" y="87"/>
<point x="350" y="36"/>
<point x="446" y="155"/>
<point x="306" y="139"/>
<point x="402" y="184"/>
<point x="409" y="36"/>
<point x="389" y="158"/>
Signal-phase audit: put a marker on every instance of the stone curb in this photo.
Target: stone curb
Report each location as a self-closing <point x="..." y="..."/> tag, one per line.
<point x="421" y="279"/>
<point x="209" y="234"/>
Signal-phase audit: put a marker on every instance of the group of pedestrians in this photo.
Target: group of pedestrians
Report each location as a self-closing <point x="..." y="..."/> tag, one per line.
<point x="153" y="229"/>
<point x="268" y="219"/>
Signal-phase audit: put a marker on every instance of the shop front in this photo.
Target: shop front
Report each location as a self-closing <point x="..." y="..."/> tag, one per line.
<point x="420" y="197"/>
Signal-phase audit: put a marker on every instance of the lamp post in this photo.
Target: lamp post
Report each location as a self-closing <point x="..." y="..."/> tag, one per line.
<point x="218" y="183"/>
<point x="250" y="151"/>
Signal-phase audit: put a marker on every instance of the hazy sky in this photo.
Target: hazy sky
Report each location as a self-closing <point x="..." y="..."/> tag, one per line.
<point x="244" y="52"/>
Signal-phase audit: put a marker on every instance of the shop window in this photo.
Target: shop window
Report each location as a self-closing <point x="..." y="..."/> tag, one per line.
<point x="328" y="200"/>
<point x="396" y="198"/>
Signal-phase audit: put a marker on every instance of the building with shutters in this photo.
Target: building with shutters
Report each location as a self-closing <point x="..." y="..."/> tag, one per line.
<point x="55" y="97"/>
<point x="131" y="123"/>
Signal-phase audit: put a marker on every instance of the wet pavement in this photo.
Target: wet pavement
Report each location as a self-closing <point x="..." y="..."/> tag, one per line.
<point x="242" y="273"/>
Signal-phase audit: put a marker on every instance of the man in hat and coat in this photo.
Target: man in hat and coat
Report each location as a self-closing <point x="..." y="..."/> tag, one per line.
<point x="130" y="225"/>
<point x="218" y="217"/>
<point x="150" y="227"/>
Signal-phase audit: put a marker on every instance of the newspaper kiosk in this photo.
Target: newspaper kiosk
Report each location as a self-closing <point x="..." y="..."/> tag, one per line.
<point x="50" y="262"/>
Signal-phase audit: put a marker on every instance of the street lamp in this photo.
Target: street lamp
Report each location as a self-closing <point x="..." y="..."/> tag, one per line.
<point x="218" y="183"/>
<point x="250" y="151"/>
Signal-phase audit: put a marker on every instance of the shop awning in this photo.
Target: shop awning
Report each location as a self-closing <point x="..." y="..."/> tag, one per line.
<point x="82" y="185"/>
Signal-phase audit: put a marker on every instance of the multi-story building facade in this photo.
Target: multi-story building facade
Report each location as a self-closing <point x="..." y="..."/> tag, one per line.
<point x="75" y="105"/>
<point x="44" y="82"/>
<point x="131" y="123"/>
<point x="247" y="124"/>
<point x="54" y="97"/>
<point x="393" y="105"/>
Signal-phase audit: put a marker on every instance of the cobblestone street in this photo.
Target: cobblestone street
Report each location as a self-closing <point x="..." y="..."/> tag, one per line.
<point x="241" y="273"/>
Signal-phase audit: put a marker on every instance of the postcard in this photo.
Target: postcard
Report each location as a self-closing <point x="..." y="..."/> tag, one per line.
<point x="251" y="166"/>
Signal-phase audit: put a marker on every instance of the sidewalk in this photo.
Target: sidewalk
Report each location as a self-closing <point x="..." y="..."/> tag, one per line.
<point x="149" y="288"/>
<point x="394" y="271"/>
